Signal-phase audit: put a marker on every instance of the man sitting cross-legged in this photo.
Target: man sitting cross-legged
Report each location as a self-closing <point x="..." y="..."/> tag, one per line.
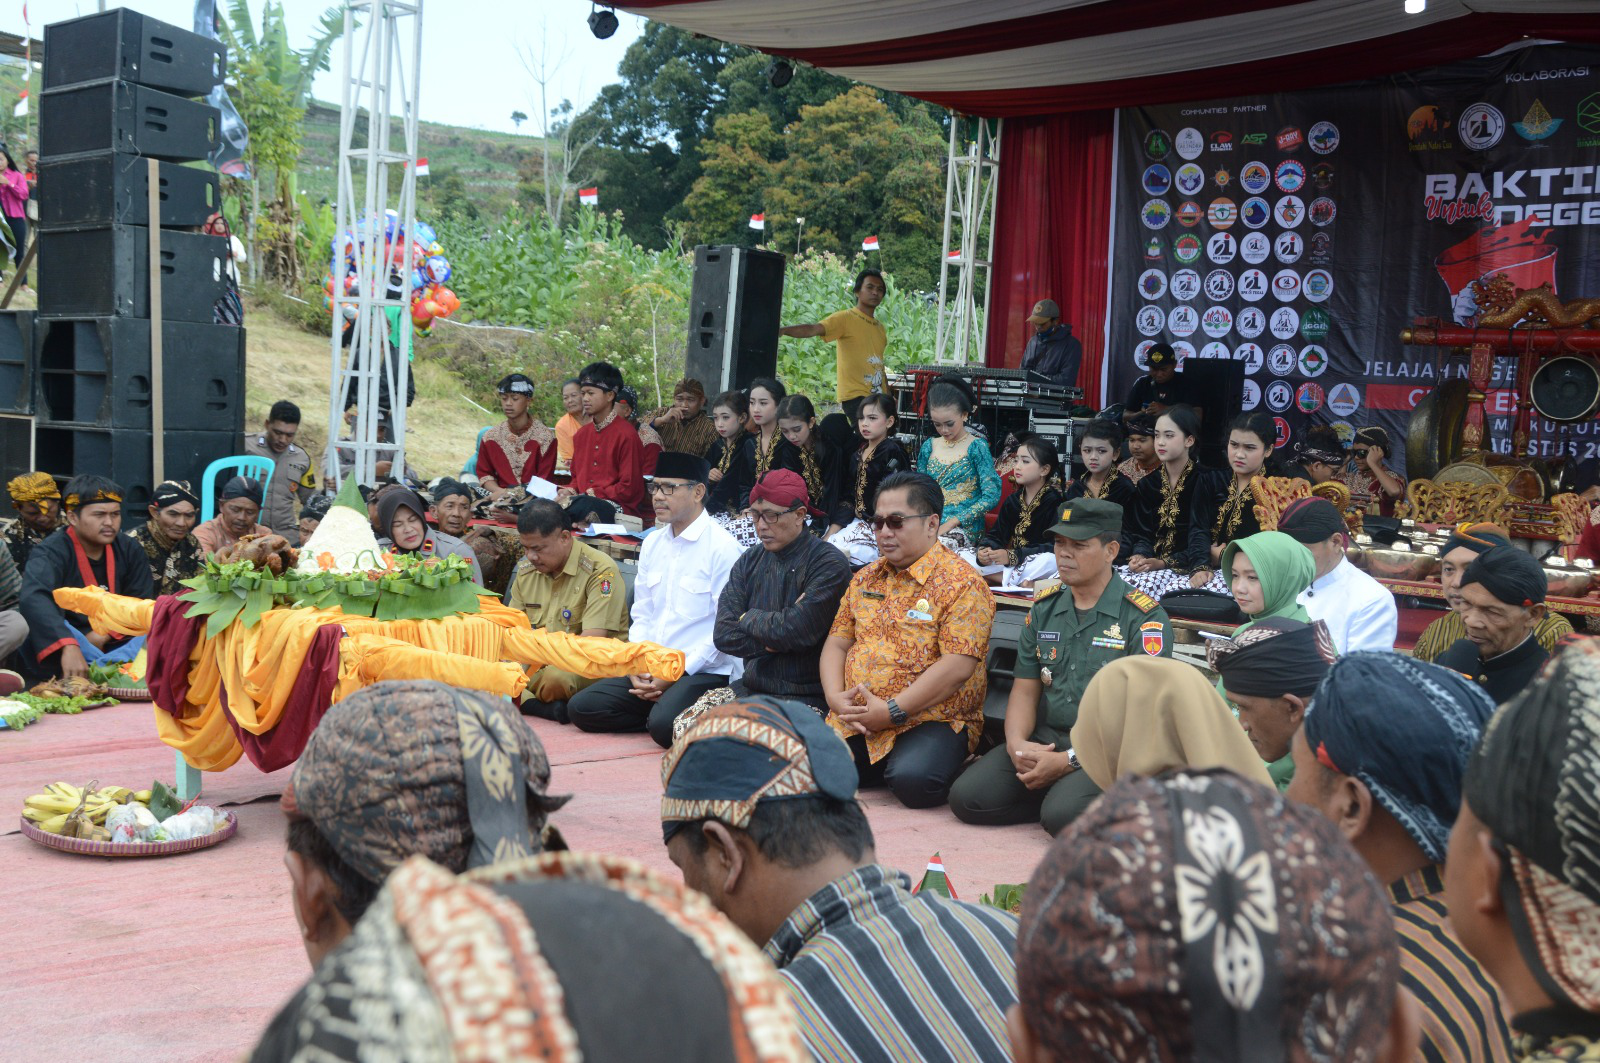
<point x="782" y="596"/>
<point x="759" y="813"/>
<point x="903" y="665"/>
<point x="1068" y="636"/>
<point x="567" y="586"/>
<point x="89" y="551"/>
<point x="683" y="566"/>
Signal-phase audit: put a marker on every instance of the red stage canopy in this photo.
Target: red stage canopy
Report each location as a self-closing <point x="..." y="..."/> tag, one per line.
<point x="1038" y="61"/>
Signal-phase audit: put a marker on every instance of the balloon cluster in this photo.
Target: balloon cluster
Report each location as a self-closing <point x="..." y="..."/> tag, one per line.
<point x="429" y="272"/>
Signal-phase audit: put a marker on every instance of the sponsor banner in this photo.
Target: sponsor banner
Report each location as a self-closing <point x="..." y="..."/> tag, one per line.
<point x="1312" y="227"/>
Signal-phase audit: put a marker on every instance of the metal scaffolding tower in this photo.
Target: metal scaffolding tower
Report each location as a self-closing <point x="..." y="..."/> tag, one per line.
<point x="377" y="205"/>
<point x="971" y="182"/>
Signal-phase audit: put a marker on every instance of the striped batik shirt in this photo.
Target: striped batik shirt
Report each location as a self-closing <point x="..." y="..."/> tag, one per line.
<point x="878" y="974"/>
<point x="1462" y="1017"/>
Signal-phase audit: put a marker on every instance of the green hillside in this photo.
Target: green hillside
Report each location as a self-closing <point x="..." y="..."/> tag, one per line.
<point x="487" y="163"/>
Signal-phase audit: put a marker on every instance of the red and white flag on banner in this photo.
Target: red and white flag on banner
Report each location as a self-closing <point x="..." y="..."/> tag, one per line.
<point x="422" y="167"/>
<point x="22" y="105"/>
<point x="869" y="244"/>
<point x="954" y="256"/>
<point x="589" y="197"/>
<point x="758" y="222"/>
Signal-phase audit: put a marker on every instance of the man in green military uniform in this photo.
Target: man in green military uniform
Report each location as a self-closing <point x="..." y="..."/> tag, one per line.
<point x="1091" y="621"/>
<point x="567" y="586"/>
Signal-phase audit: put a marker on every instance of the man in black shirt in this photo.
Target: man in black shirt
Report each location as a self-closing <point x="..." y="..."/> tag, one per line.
<point x="90" y="551"/>
<point x="781" y="596"/>
<point x="1502" y="601"/>
<point x="1052" y="350"/>
<point x="1158" y="389"/>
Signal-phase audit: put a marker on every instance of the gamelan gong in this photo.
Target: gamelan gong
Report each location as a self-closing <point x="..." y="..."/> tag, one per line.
<point x="1566" y="388"/>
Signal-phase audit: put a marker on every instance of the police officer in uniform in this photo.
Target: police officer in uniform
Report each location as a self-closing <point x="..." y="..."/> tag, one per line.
<point x="1092" y="619"/>
<point x="567" y="586"/>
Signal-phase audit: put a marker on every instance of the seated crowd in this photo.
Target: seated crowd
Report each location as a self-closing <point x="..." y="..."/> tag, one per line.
<point x="1330" y="853"/>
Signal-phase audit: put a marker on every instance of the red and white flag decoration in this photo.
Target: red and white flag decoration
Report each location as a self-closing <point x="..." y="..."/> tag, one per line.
<point x="758" y="222"/>
<point x="869" y="244"/>
<point x="935" y="879"/>
<point x="22" y="105"/>
<point x="589" y="197"/>
<point x="422" y="167"/>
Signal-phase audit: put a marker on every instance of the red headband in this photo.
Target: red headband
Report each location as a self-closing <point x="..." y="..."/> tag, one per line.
<point x="785" y="488"/>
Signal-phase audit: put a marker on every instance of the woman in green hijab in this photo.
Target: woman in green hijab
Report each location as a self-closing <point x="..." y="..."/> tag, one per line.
<point x="1266" y="573"/>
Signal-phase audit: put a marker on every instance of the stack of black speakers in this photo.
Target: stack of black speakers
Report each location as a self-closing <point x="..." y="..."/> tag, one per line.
<point x="117" y="92"/>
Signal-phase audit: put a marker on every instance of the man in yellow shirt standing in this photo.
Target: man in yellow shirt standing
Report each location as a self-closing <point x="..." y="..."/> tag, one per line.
<point x="860" y="339"/>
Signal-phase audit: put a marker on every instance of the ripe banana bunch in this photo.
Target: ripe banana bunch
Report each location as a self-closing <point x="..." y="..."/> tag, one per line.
<point x="51" y="809"/>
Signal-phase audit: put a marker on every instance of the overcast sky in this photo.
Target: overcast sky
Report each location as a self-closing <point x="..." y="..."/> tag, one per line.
<point x="471" y="75"/>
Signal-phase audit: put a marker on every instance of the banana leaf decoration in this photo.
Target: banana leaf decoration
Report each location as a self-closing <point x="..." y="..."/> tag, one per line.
<point x="406" y="588"/>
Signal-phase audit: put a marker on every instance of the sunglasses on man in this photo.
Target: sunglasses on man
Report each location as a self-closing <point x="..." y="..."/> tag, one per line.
<point x="896" y="521"/>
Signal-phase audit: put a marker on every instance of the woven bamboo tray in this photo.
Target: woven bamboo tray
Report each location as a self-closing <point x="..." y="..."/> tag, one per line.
<point x="85" y="847"/>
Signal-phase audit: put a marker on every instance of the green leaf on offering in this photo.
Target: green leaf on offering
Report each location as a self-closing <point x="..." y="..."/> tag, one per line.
<point x="226" y="614"/>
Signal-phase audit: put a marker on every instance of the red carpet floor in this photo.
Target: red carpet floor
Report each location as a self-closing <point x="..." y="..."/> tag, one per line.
<point x="184" y="959"/>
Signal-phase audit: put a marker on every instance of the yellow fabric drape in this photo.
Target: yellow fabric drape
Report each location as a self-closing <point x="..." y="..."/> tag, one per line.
<point x="491" y="650"/>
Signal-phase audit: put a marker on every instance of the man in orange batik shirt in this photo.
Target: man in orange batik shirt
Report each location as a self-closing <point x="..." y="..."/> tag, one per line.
<point x="902" y="668"/>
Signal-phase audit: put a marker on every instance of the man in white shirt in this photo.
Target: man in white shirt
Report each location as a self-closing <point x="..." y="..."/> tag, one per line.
<point x="1359" y="611"/>
<point x="683" y="567"/>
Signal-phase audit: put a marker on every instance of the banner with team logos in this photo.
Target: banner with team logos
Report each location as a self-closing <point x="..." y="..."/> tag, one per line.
<point x="1300" y="233"/>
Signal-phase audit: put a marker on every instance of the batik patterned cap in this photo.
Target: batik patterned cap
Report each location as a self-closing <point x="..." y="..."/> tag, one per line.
<point x="1534" y="782"/>
<point x="1201" y="917"/>
<point x="1405" y="728"/>
<point x="418" y="767"/>
<point x="519" y="962"/>
<point x="745" y="752"/>
<point x="1273" y="657"/>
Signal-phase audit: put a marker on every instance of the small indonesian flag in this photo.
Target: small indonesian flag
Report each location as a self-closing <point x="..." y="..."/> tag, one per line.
<point x="954" y="256"/>
<point x="22" y="105"/>
<point x="422" y="167"/>
<point x="869" y="244"/>
<point x="758" y="222"/>
<point x="936" y="880"/>
<point x="589" y="197"/>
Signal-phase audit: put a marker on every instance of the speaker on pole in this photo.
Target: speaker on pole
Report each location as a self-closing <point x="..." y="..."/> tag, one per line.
<point x="735" y="307"/>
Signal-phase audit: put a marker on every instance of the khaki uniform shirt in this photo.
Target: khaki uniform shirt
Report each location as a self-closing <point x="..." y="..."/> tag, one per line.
<point x="291" y="476"/>
<point x="586" y="595"/>
<point x="1063" y="648"/>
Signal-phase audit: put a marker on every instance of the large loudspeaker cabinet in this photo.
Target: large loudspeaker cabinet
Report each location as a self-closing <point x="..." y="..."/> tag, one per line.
<point x="735" y="306"/>
<point x="111" y="188"/>
<point x="106" y="273"/>
<point x="97" y="373"/>
<point x="118" y="116"/>
<point x="16" y="454"/>
<point x="1214" y="385"/>
<point x="16" y="361"/>
<point x="125" y="456"/>
<point x="125" y="44"/>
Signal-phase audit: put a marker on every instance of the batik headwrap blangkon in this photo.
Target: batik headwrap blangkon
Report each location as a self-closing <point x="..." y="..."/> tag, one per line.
<point x="1273" y="657"/>
<point x="1534" y="782"/>
<point x="1405" y="728"/>
<point x="415" y="766"/>
<point x="745" y="752"/>
<point x="520" y="961"/>
<point x="1198" y="917"/>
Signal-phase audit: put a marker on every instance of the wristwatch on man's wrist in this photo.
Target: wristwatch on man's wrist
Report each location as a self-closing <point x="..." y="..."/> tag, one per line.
<point x="897" y="715"/>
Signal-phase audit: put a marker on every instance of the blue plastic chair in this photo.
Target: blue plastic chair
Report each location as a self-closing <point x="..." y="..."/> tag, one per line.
<point x="239" y="465"/>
